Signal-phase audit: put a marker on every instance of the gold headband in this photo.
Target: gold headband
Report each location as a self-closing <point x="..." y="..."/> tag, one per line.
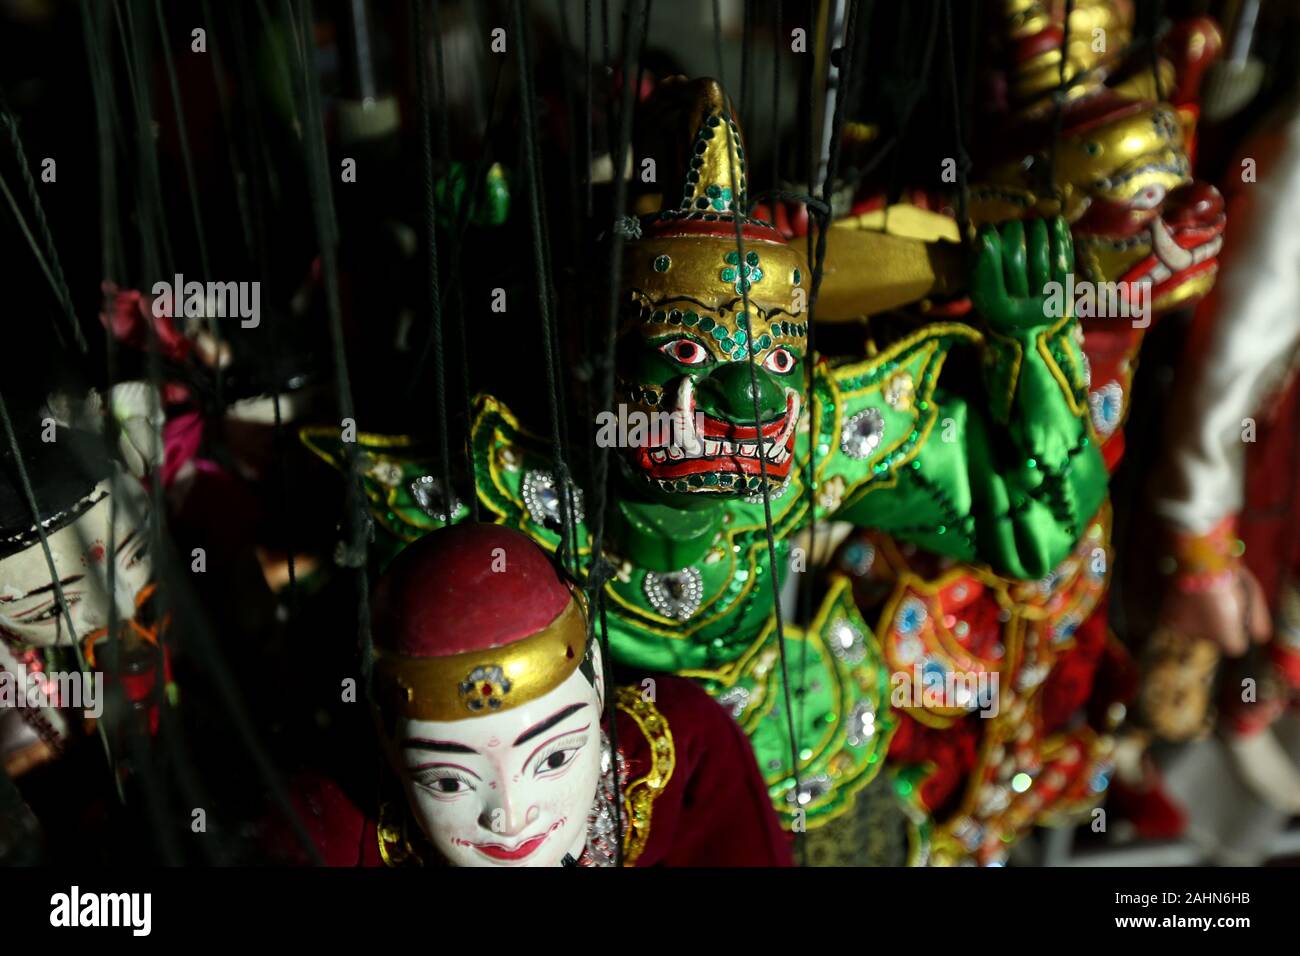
<point x="478" y="683"/>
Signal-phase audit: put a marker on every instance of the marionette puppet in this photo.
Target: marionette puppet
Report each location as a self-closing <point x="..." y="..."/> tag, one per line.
<point x="1146" y="239"/>
<point x="489" y="698"/>
<point x="1008" y="475"/>
<point x="1225" y="574"/>
<point x="84" y="511"/>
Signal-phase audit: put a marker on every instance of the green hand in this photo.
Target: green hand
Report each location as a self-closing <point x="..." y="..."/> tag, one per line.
<point x="1013" y="267"/>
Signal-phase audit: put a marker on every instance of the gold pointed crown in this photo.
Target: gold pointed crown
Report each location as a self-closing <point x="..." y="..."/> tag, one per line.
<point x="688" y="249"/>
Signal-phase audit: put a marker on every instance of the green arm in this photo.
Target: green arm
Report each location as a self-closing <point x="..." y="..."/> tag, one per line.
<point x="1010" y="477"/>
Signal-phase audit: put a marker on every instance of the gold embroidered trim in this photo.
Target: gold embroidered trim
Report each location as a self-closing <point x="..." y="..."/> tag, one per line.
<point x="640" y="795"/>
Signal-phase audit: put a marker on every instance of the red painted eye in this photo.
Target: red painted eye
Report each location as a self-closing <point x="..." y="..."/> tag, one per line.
<point x="685" y="351"/>
<point x="781" y="361"/>
<point x="1149" y="198"/>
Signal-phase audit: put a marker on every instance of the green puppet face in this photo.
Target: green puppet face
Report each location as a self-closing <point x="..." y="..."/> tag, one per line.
<point x="684" y="370"/>
<point x="704" y="284"/>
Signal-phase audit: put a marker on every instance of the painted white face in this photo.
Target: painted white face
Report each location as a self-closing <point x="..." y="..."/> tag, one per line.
<point x="29" y="611"/>
<point x="506" y="789"/>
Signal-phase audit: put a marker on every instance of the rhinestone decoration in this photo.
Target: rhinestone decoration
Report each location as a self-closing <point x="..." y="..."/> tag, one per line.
<point x="428" y="494"/>
<point x="809" y="790"/>
<point x="1064" y="629"/>
<point x="899" y="391"/>
<point x="862" y="433"/>
<point x="968" y="832"/>
<point x="542" y="501"/>
<point x="994" y="799"/>
<point x="861" y="725"/>
<point x="1031" y="676"/>
<point x="741" y="275"/>
<point x="675" y="595"/>
<point x="858" y="557"/>
<point x="1107" y="406"/>
<point x="933" y="674"/>
<point x="773" y="494"/>
<point x="909" y="649"/>
<point x="485" y="688"/>
<point x="911" y="617"/>
<point x="847" y="642"/>
<point x="602" y="823"/>
<point x="735" y="700"/>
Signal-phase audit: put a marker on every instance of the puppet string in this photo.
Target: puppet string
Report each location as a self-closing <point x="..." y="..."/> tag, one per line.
<point x="737" y="210"/>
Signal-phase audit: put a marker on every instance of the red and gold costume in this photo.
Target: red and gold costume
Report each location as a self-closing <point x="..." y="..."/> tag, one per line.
<point x="1120" y="174"/>
<point x="472" y="625"/>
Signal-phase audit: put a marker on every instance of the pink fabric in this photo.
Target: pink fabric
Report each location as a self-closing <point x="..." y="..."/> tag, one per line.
<point x="129" y="320"/>
<point x="182" y="437"/>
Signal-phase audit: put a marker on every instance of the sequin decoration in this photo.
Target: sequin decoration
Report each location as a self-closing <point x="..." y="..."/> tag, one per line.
<point x="861" y="723"/>
<point x="429" y="495"/>
<point x="773" y="493"/>
<point x="810" y="789"/>
<point x="675" y="595"/>
<point x="847" y="642"/>
<point x="862" y="433"/>
<point x="602" y="821"/>
<point x="741" y="275"/>
<point x="911" y="617"/>
<point x="543" y="502"/>
<point x="899" y="391"/>
<point x="858" y="557"/>
<point x="1107" y="407"/>
<point x="1031" y="676"/>
<point x="735" y="700"/>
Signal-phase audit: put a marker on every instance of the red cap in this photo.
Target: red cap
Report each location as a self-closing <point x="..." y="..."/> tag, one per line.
<point x="470" y="587"/>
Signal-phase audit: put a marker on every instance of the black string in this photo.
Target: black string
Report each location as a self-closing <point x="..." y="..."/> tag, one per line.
<point x="467" y="200"/>
<point x="137" y="53"/>
<point x="737" y="209"/>
<point x="187" y="161"/>
<point x="237" y="175"/>
<point x="1058" y="101"/>
<point x="746" y="59"/>
<point x="911" y="101"/>
<point x="1154" y="51"/>
<point x="155" y="236"/>
<point x="49" y="260"/>
<point x="358" y="520"/>
<point x="600" y="569"/>
<point x="433" y="297"/>
<point x="566" y="552"/>
<point x="588" y="118"/>
<point x="778" y="43"/>
<point x="963" y="158"/>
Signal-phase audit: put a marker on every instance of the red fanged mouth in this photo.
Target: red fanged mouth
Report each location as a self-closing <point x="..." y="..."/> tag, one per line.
<point x="1184" y="239"/>
<point x="1178" y="255"/>
<point x="704" y="445"/>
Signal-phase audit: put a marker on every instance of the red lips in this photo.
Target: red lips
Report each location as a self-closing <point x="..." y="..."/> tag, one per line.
<point x="496" y="851"/>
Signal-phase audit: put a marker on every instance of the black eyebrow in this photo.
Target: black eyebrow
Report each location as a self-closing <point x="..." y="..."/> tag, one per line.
<point x="445" y="746"/>
<point x="547" y="724"/>
<point x="70" y="579"/>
